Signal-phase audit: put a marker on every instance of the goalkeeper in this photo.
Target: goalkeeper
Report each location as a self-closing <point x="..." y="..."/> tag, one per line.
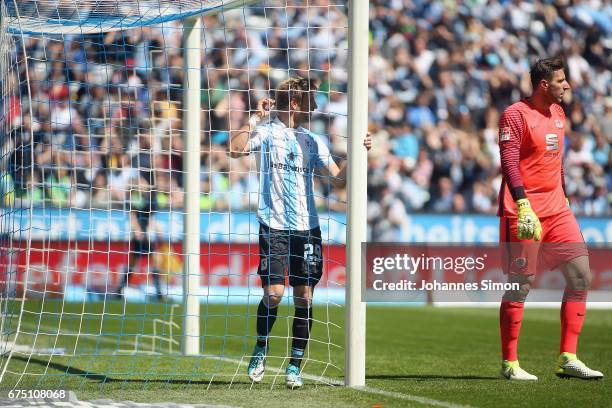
<point x="533" y="209"/>
<point x="289" y="157"/>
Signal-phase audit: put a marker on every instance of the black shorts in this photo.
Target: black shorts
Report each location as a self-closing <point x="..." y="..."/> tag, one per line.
<point x="140" y="246"/>
<point x="299" y="253"/>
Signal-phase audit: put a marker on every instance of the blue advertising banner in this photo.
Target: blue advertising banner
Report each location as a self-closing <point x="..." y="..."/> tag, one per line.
<point x="99" y="225"/>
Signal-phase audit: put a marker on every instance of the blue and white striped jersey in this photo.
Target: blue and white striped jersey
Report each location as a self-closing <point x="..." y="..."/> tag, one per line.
<point x="286" y="161"/>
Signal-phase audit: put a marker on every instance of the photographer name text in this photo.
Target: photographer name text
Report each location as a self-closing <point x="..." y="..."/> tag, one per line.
<point x="406" y="285"/>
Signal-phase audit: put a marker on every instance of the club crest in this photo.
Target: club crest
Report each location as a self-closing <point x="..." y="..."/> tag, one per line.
<point x="520" y="262"/>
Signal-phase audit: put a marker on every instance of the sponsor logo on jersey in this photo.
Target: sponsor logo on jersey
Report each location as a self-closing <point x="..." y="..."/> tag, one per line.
<point x="559" y="123"/>
<point x="552" y="141"/>
<point x="283" y="166"/>
<point x="504" y="134"/>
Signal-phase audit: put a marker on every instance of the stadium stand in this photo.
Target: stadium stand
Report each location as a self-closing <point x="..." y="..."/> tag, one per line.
<point x="440" y="74"/>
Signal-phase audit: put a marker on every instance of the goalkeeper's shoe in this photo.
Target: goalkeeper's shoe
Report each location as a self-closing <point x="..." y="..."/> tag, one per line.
<point x="257" y="365"/>
<point x="528" y="225"/>
<point x="569" y="366"/>
<point x="512" y="371"/>
<point x="294" y="379"/>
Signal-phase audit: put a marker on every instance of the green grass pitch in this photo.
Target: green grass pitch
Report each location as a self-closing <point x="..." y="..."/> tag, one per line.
<point x="449" y="355"/>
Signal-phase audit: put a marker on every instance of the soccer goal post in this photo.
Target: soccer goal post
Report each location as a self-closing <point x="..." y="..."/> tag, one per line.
<point x="357" y="192"/>
<point x="129" y="240"/>
<point x="191" y="274"/>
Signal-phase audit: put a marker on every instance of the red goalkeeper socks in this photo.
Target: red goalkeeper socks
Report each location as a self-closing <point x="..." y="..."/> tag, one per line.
<point x="573" y="310"/>
<point x="510" y="318"/>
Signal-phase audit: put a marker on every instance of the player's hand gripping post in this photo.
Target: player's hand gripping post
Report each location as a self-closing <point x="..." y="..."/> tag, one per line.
<point x="528" y="226"/>
<point x="367" y="142"/>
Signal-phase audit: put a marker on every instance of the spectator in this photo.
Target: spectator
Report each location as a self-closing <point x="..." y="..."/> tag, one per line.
<point x="100" y="194"/>
<point x="438" y="78"/>
<point x="444" y="200"/>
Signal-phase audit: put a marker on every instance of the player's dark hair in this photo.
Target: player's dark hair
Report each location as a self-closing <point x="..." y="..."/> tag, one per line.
<point x="293" y="88"/>
<point x="544" y="68"/>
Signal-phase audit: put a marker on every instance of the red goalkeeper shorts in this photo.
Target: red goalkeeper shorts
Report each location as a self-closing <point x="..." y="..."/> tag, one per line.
<point x="561" y="242"/>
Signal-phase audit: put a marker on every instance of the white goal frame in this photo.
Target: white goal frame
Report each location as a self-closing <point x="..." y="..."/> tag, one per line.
<point x="355" y="328"/>
<point x="358" y="20"/>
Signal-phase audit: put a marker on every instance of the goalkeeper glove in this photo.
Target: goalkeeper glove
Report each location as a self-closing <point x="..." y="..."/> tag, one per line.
<point x="528" y="223"/>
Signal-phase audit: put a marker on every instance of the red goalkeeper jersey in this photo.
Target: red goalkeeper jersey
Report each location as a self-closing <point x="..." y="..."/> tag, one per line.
<point x="531" y="147"/>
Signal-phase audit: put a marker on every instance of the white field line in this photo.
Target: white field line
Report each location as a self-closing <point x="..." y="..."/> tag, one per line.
<point x="366" y="389"/>
<point x="92" y="337"/>
<point x="278" y="370"/>
<point x="414" y="398"/>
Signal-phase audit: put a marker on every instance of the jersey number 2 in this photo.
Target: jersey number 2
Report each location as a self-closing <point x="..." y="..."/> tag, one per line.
<point x="312" y="253"/>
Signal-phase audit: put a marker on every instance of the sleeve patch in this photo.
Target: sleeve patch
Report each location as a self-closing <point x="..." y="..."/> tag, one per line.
<point x="504" y="134"/>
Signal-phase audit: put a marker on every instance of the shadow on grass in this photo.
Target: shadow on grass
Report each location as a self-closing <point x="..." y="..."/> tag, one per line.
<point x="426" y="377"/>
<point x="106" y="379"/>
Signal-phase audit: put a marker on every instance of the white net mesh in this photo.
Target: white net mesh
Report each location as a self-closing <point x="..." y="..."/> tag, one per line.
<point x="93" y="130"/>
<point x="97" y="16"/>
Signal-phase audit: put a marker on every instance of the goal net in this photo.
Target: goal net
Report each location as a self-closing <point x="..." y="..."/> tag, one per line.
<point x="94" y="187"/>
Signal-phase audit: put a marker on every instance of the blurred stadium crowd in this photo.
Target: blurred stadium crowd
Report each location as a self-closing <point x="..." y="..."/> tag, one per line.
<point x="105" y="106"/>
<point x="441" y="74"/>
